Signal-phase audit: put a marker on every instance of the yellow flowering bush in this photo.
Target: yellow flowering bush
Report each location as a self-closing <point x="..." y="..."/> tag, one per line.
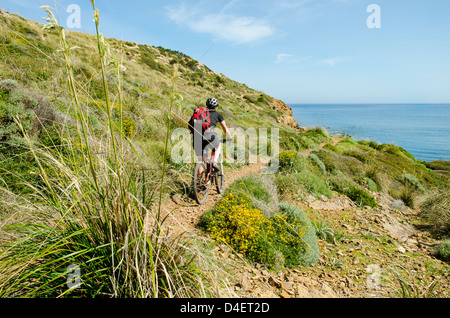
<point x="278" y="240"/>
<point x="239" y="225"/>
<point x="287" y="159"/>
<point x="292" y="162"/>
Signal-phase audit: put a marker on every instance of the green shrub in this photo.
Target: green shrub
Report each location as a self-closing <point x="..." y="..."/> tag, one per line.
<point x="9" y="129"/>
<point x="324" y="231"/>
<point x="286" y="238"/>
<point x="316" y="185"/>
<point x="261" y="190"/>
<point x="330" y="147"/>
<point x="438" y="165"/>
<point x="330" y="159"/>
<point x="301" y="220"/>
<point x="396" y="150"/>
<point x="289" y="184"/>
<point x="372" y="172"/>
<point x="291" y="161"/>
<point x="192" y="65"/>
<point x="306" y="143"/>
<point x="32" y="112"/>
<point x="35" y="111"/>
<point x="372" y="185"/>
<point x="411" y="180"/>
<point x="155" y="65"/>
<point x="304" y="181"/>
<point x="436" y="210"/>
<point x="372" y="144"/>
<point x="318" y="135"/>
<point x="360" y="197"/>
<point x="318" y="162"/>
<point x="338" y="182"/>
<point x="251" y="98"/>
<point x="407" y="197"/>
<point x="287" y="159"/>
<point x="364" y="158"/>
<point x="444" y="251"/>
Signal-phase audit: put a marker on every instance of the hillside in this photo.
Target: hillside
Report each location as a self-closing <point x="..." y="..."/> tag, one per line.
<point x="28" y="56"/>
<point x="86" y="178"/>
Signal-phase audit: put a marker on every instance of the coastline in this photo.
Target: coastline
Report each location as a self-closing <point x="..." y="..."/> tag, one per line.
<point x="420" y="129"/>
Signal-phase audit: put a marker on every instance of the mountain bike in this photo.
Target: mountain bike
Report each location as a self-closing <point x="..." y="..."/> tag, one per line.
<point x="205" y="174"/>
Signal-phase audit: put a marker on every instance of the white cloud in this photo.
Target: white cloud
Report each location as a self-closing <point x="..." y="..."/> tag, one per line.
<point x="333" y="61"/>
<point x="341" y="1"/>
<point x="230" y="27"/>
<point x="291" y="59"/>
<point x="282" y="57"/>
<point x="291" y="4"/>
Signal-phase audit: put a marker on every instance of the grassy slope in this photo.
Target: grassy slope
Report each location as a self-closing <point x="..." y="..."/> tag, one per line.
<point x="361" y="170"/>
<point x="28" y="57"/>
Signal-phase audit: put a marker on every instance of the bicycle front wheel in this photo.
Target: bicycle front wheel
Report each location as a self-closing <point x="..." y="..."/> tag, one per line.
<point x="200" y="186"/>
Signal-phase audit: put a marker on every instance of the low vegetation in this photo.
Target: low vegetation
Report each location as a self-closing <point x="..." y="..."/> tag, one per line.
<point x="85" y="165"/>
<point x="283" y="237"/>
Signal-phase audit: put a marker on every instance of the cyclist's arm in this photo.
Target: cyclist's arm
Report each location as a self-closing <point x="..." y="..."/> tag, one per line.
<point x="225" y="129"/>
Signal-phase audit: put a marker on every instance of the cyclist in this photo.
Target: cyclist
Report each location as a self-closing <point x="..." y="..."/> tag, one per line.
<point x="210" y="139"/>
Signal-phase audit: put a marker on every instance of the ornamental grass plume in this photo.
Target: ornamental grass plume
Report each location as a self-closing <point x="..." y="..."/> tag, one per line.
<point x="91" y="211"/>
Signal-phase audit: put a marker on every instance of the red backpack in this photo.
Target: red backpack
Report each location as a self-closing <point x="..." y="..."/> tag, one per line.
<point x="200" y="118"/>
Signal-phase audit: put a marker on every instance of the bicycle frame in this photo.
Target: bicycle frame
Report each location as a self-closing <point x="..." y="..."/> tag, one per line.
<point x="210" y="167"/>
<point x="210" y="174"/>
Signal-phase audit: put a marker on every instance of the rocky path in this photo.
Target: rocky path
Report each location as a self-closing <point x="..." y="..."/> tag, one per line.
<point x="374" y="252"/>
<point x="184" y="213"/>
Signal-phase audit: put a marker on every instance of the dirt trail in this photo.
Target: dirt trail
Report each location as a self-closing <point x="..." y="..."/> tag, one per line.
<point x="374" y="241"/>
<point x="185" y="213"/>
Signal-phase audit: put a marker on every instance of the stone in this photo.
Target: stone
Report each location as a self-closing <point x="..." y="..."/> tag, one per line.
<point x="397" y="230"/>
<point x="287" y="286"/>
<point x="328" y="292"/>
<point x="245" y="283"/>
<point x="274" y="282"/>
<point x="302" y="292"/>
<point x="284" y="294"/>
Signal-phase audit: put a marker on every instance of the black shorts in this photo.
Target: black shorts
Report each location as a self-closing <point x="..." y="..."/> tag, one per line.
<point x="203" y="144"/>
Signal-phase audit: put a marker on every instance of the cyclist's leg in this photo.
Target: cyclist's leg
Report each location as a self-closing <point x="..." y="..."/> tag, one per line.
<point x="218" y="154"/>
<point x="213" y="143"/>
<point x="198" y="144"/>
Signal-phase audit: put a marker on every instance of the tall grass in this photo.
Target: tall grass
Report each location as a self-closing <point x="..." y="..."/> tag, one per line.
<point x="436" y="211"/>
<point x="93" y="213"/>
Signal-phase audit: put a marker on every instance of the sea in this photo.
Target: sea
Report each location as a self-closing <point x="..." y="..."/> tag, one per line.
<point x="421" y="129"/>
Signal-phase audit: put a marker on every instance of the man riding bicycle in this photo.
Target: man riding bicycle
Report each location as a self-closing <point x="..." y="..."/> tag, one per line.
<point x="210" y="139"/>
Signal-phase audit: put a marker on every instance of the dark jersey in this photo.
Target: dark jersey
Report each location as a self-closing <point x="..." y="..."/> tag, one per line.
<point x="209" y="138"/>
<point x="215" y="117"/>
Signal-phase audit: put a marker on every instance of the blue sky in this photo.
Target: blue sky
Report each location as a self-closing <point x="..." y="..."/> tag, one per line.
<point x="300" y="51"/>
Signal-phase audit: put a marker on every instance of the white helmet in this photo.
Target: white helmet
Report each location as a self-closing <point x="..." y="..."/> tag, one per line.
<point x="212" y="103"/>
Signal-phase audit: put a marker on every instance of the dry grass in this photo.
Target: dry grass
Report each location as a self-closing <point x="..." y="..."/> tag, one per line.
<point x="93" y="211"/>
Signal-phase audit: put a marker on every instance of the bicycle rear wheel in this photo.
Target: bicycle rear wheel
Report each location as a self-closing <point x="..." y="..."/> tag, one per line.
<point x="199" y="183"/>
<point x="220" y="179"/>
